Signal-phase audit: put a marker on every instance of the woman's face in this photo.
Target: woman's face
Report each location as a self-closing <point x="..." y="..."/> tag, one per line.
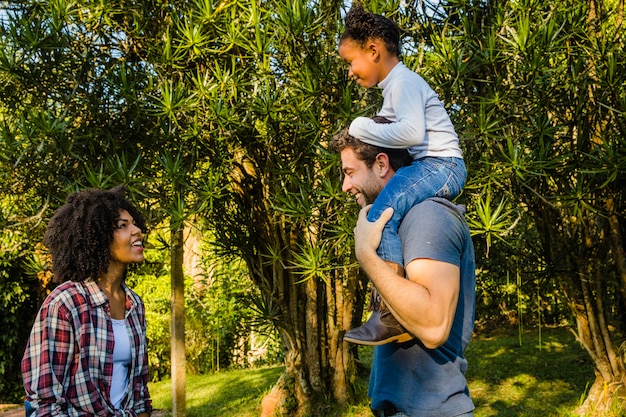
<point x="127" y="245"/>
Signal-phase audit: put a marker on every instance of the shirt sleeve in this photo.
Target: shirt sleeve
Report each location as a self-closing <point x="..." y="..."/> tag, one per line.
<point x="46" y="360"/>
<point x="433" y="229"/>
<point x="408" y="127"/>
<point x="141" y="395"/>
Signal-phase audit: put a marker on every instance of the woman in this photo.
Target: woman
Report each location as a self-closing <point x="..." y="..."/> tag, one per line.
<point x="87" y="351"/>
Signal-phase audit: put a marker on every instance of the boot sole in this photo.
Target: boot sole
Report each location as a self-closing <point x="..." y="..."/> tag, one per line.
<point x="400" y="338"/>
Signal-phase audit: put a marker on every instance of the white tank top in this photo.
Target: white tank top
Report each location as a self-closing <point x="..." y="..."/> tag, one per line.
<point x="121" y="362"/>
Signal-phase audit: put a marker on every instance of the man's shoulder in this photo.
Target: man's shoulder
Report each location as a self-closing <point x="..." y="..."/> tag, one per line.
<point x="435" y="229"/>
<point x="435" y="218"/>
<point x="437" y="207"/>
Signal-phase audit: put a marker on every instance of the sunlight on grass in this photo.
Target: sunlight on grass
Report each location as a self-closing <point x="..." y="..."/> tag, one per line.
<point x="505" y="379"/>
<point x="232" y="393"/>
<point x="520" y="395"/>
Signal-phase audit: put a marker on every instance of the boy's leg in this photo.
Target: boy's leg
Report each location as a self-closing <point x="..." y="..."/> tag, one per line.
<point x="424" y="178"/>
<point x="382" y="327"/>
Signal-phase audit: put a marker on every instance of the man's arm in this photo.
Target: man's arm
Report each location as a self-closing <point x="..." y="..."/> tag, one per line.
<point x="424" y="303"/>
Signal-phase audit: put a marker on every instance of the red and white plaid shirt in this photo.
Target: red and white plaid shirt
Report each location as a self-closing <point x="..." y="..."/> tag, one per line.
<point x="68" y="363"/>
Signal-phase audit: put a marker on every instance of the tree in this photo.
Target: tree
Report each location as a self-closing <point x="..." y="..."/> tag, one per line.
<point x="73" y="115"/>
<point x="539" y="95"/>
<point x="21" y="287"/>
<point x="268" y="90"/>
<point x="220" y="109"/>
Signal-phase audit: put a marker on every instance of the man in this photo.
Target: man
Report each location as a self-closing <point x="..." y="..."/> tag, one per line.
<point x="424" y="376"/>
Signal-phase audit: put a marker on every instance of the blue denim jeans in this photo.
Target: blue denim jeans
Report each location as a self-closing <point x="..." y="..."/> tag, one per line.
<point x="424" y="178"/>
<point x="28" y="409"/>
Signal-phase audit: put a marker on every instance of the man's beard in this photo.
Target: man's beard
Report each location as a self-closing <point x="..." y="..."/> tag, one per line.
<point x="370" y="194"/>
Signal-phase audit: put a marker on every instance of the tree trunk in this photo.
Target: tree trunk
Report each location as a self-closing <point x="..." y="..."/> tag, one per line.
<point x="315" y="311"/>
<point x="588" y="261"/>
<point x="593" y="332"/>
<point x="178" y="323"/>
<point x="315" y="315"/>
<point x="617" y="246"/>
<point x="608" y="386"/>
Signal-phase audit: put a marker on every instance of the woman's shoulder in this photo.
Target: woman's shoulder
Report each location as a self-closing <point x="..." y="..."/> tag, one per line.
<point x="68" y="293"/>
<point x="66" y="288"/>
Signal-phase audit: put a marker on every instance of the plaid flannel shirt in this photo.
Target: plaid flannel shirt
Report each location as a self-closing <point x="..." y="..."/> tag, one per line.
<point x="68" y="363"/>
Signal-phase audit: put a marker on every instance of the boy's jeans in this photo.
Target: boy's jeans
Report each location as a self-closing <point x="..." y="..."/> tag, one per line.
<point x="424" y="178"/>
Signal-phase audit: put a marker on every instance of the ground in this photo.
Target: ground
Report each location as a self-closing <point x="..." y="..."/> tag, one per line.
<point x="17" y="410"/>
<point x="11" y="410"/>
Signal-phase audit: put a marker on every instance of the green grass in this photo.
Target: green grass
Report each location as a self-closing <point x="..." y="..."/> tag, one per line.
<point x="505" y="379"/>
<point x="531" y="380"/>
<point x="232" y="393"/>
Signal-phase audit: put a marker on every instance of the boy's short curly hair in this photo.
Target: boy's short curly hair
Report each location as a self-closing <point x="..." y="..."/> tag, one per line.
<point x="80" y="233"/>
<point x="362" y="26"/>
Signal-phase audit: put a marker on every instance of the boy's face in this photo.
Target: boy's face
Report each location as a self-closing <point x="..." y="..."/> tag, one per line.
<point x="362" y="62"/>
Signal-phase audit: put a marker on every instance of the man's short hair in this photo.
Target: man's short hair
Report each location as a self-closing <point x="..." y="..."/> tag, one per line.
<point x="366" y="152"/>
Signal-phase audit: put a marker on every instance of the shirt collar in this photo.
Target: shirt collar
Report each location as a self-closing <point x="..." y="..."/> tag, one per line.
<point x="396" y="68"/>
<point x="97" y="297"/>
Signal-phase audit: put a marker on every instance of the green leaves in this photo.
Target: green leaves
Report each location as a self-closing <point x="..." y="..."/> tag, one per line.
<point x="174" y="98"/>
<point x="491" y="221"/>
<point x="192" y="39"/>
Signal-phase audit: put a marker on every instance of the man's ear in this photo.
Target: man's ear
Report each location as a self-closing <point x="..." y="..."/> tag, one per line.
<point x="381" y="164"/>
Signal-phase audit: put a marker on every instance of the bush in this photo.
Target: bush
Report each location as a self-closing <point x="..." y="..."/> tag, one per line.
<point x="22" y="288"/>
<point x="222" y="328"/>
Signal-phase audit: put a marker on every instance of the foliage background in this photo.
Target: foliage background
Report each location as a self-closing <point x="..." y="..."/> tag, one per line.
<point x="221" y="110"/>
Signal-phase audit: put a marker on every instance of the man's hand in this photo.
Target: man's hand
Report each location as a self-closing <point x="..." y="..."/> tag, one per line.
<point x="367" y="234"/>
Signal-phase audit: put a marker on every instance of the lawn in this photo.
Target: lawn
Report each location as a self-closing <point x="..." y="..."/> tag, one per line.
<point x="540" y="374"/>
<point x="513" y="376"/>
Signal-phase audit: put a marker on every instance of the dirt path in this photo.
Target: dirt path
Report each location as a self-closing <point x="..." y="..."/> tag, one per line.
<point x="16" y="410"/>
<point x="11" y="410"/>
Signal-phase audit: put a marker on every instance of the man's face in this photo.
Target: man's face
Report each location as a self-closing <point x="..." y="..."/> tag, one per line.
<point x="359" y="180"/>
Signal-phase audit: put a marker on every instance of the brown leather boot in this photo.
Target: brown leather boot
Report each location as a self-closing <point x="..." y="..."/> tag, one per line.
<point x="382" y="327"/>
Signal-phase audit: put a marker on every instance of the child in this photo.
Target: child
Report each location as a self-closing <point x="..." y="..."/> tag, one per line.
<point x="370" y="46"/>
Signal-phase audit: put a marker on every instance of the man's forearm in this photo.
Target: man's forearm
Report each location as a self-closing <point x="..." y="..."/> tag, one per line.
<point x="425" y="302"/>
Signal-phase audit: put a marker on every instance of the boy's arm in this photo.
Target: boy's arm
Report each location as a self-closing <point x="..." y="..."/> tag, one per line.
<point x="408" y="127"/>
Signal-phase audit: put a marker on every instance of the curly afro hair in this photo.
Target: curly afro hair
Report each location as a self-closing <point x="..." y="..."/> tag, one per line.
<point x="80" y="233"/>
<point x="362" y="26"/>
